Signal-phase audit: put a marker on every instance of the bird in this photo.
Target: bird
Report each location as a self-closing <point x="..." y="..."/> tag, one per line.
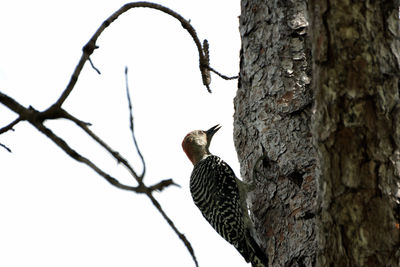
<point x="221" y="196"/>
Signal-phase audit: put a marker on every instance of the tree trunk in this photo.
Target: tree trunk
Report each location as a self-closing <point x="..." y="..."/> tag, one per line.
<point x="356" y="129"/>
<point x="272" y="128"/>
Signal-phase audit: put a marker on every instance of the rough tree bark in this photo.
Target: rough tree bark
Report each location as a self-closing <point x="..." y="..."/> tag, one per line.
<point x="356" y="128"/>
<point x="349" y="146"/>
<point x="272" y="128"/>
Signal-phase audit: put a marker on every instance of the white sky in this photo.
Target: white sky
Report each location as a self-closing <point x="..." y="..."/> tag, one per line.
<point x="57" y="212"/>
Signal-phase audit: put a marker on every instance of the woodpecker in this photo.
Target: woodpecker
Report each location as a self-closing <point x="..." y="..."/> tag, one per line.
<point x="220" y="196"/>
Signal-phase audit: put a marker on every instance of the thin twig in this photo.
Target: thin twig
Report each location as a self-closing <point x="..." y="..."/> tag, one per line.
<point x="93" y="66"/>
<point x="115" y="154"/>
<point x="221" y="75"/>
<point x="5" y="147"/>
<point x="160" y="186"/>
<point x="171" y="223"/>
<point x="10" y="125"/>
<point x="131" y="124"/>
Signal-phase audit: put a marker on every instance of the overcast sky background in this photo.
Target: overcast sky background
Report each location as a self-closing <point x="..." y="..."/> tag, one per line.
<point x="57" y="212"/>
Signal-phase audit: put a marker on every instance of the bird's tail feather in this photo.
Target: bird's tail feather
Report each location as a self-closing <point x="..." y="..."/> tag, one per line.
<point x="258" y="257"/>
<point x="251" y="252"/>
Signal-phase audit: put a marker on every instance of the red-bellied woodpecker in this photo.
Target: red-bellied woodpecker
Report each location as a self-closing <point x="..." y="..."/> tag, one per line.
<point x="220" y="196"/>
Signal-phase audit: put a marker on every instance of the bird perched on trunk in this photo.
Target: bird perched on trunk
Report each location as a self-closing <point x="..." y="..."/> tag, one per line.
<point x="220" y="196"/>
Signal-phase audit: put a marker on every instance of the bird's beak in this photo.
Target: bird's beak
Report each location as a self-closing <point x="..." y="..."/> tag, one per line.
<point x="210" y="132"/>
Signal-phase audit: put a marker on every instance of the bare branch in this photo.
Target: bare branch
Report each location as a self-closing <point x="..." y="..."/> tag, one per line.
<point x="37" y="118"/>
<point x="13" y="105"/>
<point x="139" y="189"/>
<point x="170" y="222"/>
<point x="55" y="111"/>
<point x="160" y="186"/>
<point x="75" y="155"/>
<point x="131" y="125"/>
<point x="115" y="154"/>
<point x="9" y="150"/>
<point x="89" y="48"/>
<point x="206" y="62"/>
<point x="10" y="125"/>
<point x="221" y="75"/>
<point x="93" y="66"/>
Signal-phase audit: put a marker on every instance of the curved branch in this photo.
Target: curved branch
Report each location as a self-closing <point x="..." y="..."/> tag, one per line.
<point x="89" y="48"/>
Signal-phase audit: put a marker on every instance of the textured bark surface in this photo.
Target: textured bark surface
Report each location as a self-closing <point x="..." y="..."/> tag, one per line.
<point x="357" y="131"/>
<point x="272" y="128"/>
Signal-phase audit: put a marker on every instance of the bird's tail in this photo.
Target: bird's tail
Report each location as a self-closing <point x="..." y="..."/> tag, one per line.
<point x="258" y="258"/>
<point x="251" y="252"/>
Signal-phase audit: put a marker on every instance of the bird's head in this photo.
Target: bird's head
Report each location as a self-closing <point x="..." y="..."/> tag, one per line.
<point x="196" y="143"/>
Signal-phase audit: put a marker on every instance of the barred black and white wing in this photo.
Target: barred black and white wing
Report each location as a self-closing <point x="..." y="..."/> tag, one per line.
<point x="216" y="194"/>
